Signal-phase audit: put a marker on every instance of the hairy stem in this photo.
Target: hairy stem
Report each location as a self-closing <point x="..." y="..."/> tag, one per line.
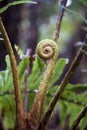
<point x="48" y="51"/>
<point x="18" y="97"/>
<point x="63" y="84"/>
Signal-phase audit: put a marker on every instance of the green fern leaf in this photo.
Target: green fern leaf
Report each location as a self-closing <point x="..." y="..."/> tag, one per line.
<point x="23" y="66"/>
<point x="84" y="2"/>
<point x="71" y="93"/>
<point x="19" y="51"/>
<point x="7" y="106"/>
<point x="60" y="65"/>
<point x="77" y="87"/>
<point x="15" y="3"/>
<point x="36" y="74"/>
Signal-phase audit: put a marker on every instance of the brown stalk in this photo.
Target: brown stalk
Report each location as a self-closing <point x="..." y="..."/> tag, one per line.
<point x="63" y="84"/>
<point x="45" y="119"/>
<point x="78" y="118"/>
<point x="20" y="121"/>
<point x="59" y="20"/>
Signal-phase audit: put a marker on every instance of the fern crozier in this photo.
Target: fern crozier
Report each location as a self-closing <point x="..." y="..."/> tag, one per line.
<point x="48" y="51"/>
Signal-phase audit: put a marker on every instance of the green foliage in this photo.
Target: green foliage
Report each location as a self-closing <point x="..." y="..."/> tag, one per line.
<point x="6" y="91"/>
<point x="8" y="108"/>
<point x="15" y="3"/>
<point x="19" y="51"/>
<point x="36" y="74"/>
<point x="71" y="101"/>
<point x="6" y="83"/>
<point x="84" y="2"/>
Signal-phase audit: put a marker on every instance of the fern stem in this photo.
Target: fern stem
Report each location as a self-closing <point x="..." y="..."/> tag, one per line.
<point x="48" y="51"/>
<point x="17" y="93"/>
<point x="63" y="84"/>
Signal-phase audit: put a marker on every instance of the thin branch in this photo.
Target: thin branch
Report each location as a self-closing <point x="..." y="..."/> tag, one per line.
<point x="78" y="118"/>
<point x="17" y="93"/>
<point x="63" y="84"/>
<point x="59" y="20"/>
<point x="28" y="71"/>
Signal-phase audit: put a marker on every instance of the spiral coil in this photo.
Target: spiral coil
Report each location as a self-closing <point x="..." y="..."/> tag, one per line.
<point x="46" y="49"/>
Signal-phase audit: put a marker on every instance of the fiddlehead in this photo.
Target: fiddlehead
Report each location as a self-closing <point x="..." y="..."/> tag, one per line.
<point x="48" y="51"/>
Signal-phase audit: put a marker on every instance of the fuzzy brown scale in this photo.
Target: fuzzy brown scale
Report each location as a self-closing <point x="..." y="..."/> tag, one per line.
<point x="48" y="51"/>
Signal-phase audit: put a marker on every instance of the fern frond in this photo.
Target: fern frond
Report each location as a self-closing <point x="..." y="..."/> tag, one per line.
<point x="15" y="3"/>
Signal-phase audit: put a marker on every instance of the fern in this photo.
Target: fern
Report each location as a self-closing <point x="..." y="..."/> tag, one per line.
<point x="6" y="84"/>
<point x="15" y="3"/>
<point x="70" y="102"/>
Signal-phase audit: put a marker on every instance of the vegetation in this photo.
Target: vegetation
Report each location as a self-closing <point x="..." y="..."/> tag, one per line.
<point x="21" y="79"/>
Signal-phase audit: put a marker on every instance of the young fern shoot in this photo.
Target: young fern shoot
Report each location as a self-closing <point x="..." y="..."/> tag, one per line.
<point x="48" y="51"/>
